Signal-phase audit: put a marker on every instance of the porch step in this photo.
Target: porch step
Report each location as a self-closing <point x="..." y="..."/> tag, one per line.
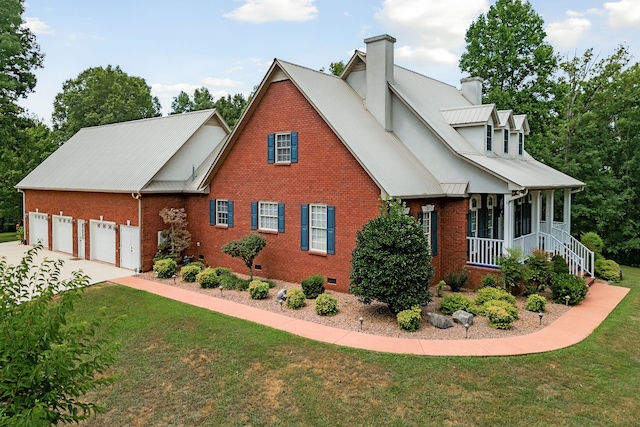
<point x="590" y="280"/>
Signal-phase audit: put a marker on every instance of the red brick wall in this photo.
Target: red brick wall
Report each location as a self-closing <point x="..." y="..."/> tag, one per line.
<point x="82" y="205"/>
<point x="477" y="273"/>
<point x="326" y="173"/>
<point x="152" y="223"/>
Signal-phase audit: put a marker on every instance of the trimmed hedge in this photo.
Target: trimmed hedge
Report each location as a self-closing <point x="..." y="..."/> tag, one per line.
<point x="499" y="318"/>
<point x="568" y="284"/>
<point x="258" y="289"/>
<point x="189" y="273"/>
<point x="295" y="298"/>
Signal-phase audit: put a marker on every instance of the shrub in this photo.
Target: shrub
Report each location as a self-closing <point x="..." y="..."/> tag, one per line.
<point x="538" y="271"/>
<point x="326" y="305"/>
<point x="200" y="265"/>
<point x="242" y="284"/>
<point x="511" y="268"/>
<point x="313" y="286"/>
<point x="499" y="318"/>
<point x="409" y="320"/>
<point x="454" y="302"/>
<point x="536" y="303"/>
<point x="457" y="280"/>
<point x="165" y="268"/>
<point x="505" y="305"/>
<point x="559" y="265"/>
<point x="246" y="248"/>
<point x="440" y="287"/>
<point x="488" y="294"/>
<point x="489" y="281"/>
<point x="189" y="273"/>
<point x="592" y="241"/>
<point x="258" y="289"/>
<point x="230" y="281"/>
<point x="210" y="277"/>
<point x="270" y="282"/>
<point x="391" y="262"/>
<point x="607" y="269"/>
<point x="295" y="298"/>
<point x="568" y="284"/>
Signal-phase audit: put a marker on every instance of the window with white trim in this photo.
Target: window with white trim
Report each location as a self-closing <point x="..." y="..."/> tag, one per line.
<point x="318" y="227"/>
<point x="222" y="212"/>
<point x="506" y="141"/>
<point x="491" y="204"/>
<point x="268" y="216"/>
<point x="489" y="146"/>
<point x="283" y="147"/>
<point x="426" y="225"/>
<point x="474" y="206"/>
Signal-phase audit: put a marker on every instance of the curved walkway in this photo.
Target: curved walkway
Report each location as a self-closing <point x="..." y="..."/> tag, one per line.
<point x="571" y="328"/>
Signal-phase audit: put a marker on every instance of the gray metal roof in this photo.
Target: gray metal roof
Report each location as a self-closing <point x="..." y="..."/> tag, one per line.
<point x="470" y="115"/>
<point x="506" y="117"/>
<point x="121" y="157"/>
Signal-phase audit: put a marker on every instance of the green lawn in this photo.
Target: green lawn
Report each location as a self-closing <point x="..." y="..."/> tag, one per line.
<point x="182" y="365"/>
<point x="8" y="237"/>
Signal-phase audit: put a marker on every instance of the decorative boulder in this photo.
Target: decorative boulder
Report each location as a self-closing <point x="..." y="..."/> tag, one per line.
<point x="439" y="321"/>
<point x="463" y="317"/>
<point x="282" y="295"/>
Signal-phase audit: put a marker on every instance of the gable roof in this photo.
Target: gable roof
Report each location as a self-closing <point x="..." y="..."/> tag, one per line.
<point x="470" y="115"/>
<point x="125" y="157"/>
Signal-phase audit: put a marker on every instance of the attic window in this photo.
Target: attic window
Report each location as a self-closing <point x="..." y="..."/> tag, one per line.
<point x="489" y="137"/>
<point x="506" y="141"/>
<point x="520" y="143"/>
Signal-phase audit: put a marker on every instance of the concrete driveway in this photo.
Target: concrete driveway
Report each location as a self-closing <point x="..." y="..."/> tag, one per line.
<point x="97" y="271"/>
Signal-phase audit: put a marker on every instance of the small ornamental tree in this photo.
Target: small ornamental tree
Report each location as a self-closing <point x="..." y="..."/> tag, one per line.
<point x="246" y="248"/>
<point x="176" y="238"/>
<point x="391" y="262"/>
<point x="48" y="358"/>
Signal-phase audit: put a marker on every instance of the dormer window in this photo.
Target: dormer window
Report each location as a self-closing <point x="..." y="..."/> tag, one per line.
<point x="520" y="143"/>
<point x="506" y="141"/>
<point x="489" y="137"/>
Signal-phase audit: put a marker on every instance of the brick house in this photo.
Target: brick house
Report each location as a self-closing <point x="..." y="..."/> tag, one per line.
<point x="98" y="196"/>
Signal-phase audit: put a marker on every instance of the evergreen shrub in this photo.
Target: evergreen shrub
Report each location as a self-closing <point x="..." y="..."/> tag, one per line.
<point x="409" y="320"/>
<point x="456" y="301"/>
<point x="326" y="305"/>
<point x="258" y="289"/>
<point x="295" y="298"/>
<point x="165" y="268"/>
<point x="313" y="286"/>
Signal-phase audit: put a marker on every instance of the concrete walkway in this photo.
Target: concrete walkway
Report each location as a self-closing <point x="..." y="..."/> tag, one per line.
<point x="571" y="328"/>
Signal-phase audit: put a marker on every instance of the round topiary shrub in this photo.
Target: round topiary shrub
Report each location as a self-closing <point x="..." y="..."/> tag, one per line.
<point x="607" y="269"/>
<point x="258" y="289"/>
<point x="313" y="286"/>
<point x="454" y="302"/>
<point x="499" y="318"/>
<point x="326" y="305"/>
<point x="189" y="273"/>
<point x="568" y="284"/>
<point x="536" y="303"/>
<point x="409" y="320"/>
<point x="295" y="298"/>
<point x="489" y="293"/>
<point x="207" y="278"/>
<point x="505" y="305"/>
<point x="165" y="268"/>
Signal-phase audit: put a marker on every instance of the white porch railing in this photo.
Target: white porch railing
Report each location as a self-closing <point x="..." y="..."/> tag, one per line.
<point x="484" y="251"/>
<point x="581" y="250"/>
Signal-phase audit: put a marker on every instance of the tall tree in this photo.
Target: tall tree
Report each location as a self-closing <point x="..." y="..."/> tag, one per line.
<point x="506" y="48"/>
<point x="99" y="96"/>
<point x="202" y="99"/>
<point x="232" y="107"/>
<point x="19" y="57"/>
<point x="181" y="103"/>
<point x="229" y="107"/>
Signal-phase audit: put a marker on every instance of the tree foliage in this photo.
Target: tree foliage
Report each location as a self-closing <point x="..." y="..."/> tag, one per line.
<point x="48" y="358"/>
<point x="176" y="238"/>
<point x="506" y="47"/>
<point x="99" y="96"/>
<point x="391" y="262"/>
<point x="335" y="68"/>
<point x="247" y="249"/>
<point x="229" y="107"/>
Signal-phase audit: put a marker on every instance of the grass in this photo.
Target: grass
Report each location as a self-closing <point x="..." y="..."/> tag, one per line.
<point x="182" y="365"/>
<point x="8" y="237"/>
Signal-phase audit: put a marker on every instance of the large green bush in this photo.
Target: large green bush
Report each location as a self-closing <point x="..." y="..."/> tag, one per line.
<point x="568" y="284"/>
<point x="607" y="269"/>
<point x="512" y="269"/>
<point x="592" y="241"/>
<point x="489" y="293"/>
<point x="189" y="273"/>
<point x="295" y="298"/>
<point x="258" y="289"/>
<point x="409" y="320"/>
<point x="559" y="265"/>
<point x="456" y="301"/>
<point x="538" y="271"/>
<point x="165" y="268"/>
<point x="313" y="286"/>
<point x="326" y="305"/>
<point x="391" y="262"/>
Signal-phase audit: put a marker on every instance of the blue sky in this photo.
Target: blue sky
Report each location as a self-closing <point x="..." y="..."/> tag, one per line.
<point x="228" y="45"/>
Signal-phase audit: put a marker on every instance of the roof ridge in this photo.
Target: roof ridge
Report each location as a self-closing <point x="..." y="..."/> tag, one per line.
<point x="146" y="119"/>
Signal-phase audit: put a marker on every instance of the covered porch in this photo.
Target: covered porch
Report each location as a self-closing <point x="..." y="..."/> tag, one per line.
<point x="524" y="219"/>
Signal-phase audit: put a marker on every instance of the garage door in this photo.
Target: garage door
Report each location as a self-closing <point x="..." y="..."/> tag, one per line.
<point x="62" y="233"/>
<point x="103" y="241"/>
<point x="130" y="247"/>
<point x="38" y="229"/>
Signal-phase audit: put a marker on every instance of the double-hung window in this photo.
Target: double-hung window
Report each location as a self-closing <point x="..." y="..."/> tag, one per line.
<point x="489" y="146"/>
<point x="268" y="216"/>
<point x="428" y="217"/>
<point x="520" y="143"/>
<point x="426" y="226"/>
<point x="221" y="212"/>
<point x="283" y="147"/>
<point x="506" y="141"/>
<point x="317" y="228"/>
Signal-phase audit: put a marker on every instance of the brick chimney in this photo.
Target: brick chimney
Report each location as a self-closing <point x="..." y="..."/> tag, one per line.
<point x="379" y="74"/>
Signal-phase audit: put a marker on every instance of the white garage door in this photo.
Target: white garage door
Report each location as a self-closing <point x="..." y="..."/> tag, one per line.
<point x="103" y="241"/>
<point x="62" y="233"/>
<point x="38" y="229"/>
<point x="130" y="247"/>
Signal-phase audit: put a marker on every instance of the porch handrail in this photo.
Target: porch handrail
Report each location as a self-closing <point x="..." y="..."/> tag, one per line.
<point x="553" y="245"/>
<point x="576" y="246"/>
<point x="483" y="251"/>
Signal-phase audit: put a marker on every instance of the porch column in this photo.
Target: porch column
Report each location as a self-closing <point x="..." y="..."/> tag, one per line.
<point x="549" y="209"/>
<point x="508" y="223"/>
<point x="566" y="210"/>
<point x="536" y="211"/>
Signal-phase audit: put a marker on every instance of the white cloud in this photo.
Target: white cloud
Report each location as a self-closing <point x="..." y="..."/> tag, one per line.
<point x="430" y="30"/>
<point x="259" y="11"/>
<point x="569" y="32"/>
<point x="36" y="25"/>
<point x="623" y="14"/>
<point x="213" y="81"/>
<point x="159" y="89"/>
